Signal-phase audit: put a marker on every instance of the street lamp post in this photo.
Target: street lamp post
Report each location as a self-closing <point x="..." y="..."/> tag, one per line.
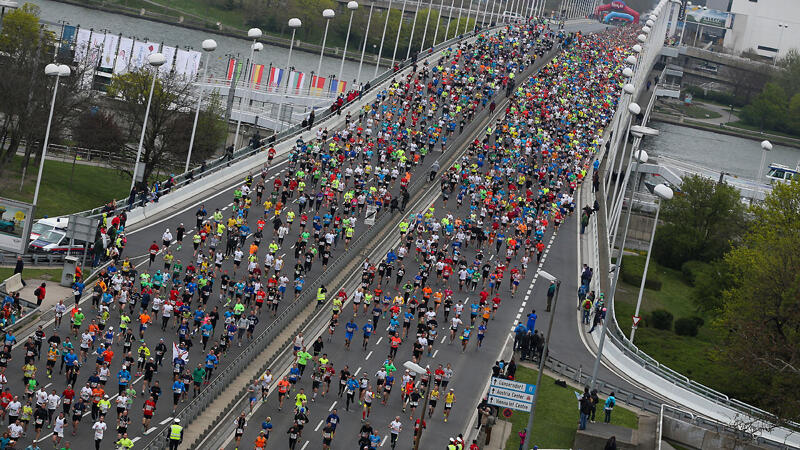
<point x="366" y="37"/>
<point x="352" y="6"/>
<point x="526" y="441"/>
<point x="294" y="24"/>
<point x="766" y="146"/>
<point x="449" y="19"/>
<point x="327" y="14"/>
<point x="781" y="28"/>
<point x="638" y="131"/>
<point x="419" y="370"/>
<point x="399" y="27"/>
<point x="383" y="36"/>
<point x="209" y="45"/>
<point x="156" y="60"/>
<point x="58" y="71"/>
<point x="663" y="192"/>
<point x="254" y="34"/>
<point x="425" y="30"/>
<point x="413" y="27"/>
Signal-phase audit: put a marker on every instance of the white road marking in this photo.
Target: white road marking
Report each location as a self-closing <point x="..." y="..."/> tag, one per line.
<point x="368" y="355"/>
<point x="163" y="422"/>
<point x="333" y="405"/>
<point x="318" y="425"/>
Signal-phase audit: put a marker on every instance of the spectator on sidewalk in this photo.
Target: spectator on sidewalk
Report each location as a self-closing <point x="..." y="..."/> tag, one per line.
<point x="19" y="267"/>
<point x="40" y="293"/>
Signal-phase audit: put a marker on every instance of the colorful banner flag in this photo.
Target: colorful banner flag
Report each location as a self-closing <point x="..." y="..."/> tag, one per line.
<point x="258" y="73"/>
<point x="123" y="55"/>
<point x="109" y="51"/>
<point x="317" y="83"/>
<point x="275" y="77"/>
<point x="334" y="86"/>
<point x="338" y="86"/>
<point x="231" y="68"/>
<point x="296" y="81"/>
<point x="178" y="352"/>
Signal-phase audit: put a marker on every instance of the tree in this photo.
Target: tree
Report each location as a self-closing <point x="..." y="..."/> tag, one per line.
<point x="793" y="115"/>
<point x="789" y="77"/>
<point x="170" y="120"/>
<point x="700" y="222"/>
<point x="98" y="130"/>
<point x="761" y="313"/>
<point x="768" y="109"/>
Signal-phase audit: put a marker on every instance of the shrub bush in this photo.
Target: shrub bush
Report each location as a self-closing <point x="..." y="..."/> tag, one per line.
<point x="688" y="326"/>
<point x="661" y="319"/>
<point x="632" y="269"/>
<point x="690" y="270"/>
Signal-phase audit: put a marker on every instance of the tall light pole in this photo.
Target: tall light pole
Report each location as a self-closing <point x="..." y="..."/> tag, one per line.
<point x="421" y="371"/>
<point x="413" y="27"/>
<point x="781" y="28"/>
<point x="209" y="45"/>
<point x="254" y="34"/>
<point x="58" y="71"/>
<point x="425" y="31"/>
<point x="663" y="192"/>
<point x="352" y="6"/>
<point x="449" y="19"/>
<point x="527" y="439"/>
<point x="156" y="60"/>
<point x="438" y="21"/>
<point x="766" y="146"/>
<point x="458" y="21"/>
<point x="399" y="27"/>
<point x="638" y="132"/>
<point x="294" y="24"/>
<point x="327" y="14"/>
<point x="383" y="36"/>
<point x="366" y="37"/>
<point x="469" y="13"/>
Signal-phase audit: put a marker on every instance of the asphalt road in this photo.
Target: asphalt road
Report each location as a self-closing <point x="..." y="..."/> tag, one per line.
<point x="139" y="241"/>
<point x="467" y="380"/>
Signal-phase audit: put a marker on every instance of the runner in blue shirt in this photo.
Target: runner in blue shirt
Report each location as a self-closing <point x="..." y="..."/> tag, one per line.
<point x="367" y="333"/>
<point x="349" y="329"/>
<point x="177" y="390"/>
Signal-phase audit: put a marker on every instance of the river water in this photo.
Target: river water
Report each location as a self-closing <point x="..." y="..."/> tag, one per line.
<point x="182" y="37"/>
<point x="715" y="152"/>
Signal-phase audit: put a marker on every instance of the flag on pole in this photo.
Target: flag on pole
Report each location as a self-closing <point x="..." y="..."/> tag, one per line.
<point x="258" y="73"/>
<point x="275" y="77"/>
<point x="296" y="81"/>
<point x="317" y="84"/>
<point x="231" y="68"/>
<point x="181" y="353"/>
<point x="342" y="86"/>
<point x="334" y="85"/>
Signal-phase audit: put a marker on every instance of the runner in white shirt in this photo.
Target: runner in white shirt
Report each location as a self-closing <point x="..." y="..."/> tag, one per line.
<point x="395" y="427"/>
<point x="99" y="428"/>
<point x="58" y="429"/>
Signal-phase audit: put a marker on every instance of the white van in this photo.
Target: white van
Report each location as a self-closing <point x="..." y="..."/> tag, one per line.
<point x="42" y="226"/>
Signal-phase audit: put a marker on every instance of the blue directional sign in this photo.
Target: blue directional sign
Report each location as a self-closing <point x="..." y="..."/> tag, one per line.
<point x="511" y="394"/>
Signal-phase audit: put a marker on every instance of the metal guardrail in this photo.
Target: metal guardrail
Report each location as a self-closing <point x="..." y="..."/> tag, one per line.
<point x="652" y="406"/>
<point x="247" y="151"/>
<point x="620" y="339"/>
<point x="222" y="381"/>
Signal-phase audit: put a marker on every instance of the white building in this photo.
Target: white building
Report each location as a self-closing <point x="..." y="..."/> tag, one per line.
<point x="770" y="27"/>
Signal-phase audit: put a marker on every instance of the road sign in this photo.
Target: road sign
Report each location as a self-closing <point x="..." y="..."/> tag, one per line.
<point x="506" y="403"/>
<point x="511" y="394"/>
<point x="636" y="320"/>
<point x="513" y="385"/>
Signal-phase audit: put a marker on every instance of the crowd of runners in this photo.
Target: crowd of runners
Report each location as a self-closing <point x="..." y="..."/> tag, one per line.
<point x="214" y="284"/>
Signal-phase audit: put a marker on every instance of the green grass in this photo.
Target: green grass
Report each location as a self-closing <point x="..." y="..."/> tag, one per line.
<point x="690" y="356"/>
<point x="745" y="126"/>
<point x="696" y="111"/>
<point x="43" y="274"/>
<point x="91" y="186"/>
<point x="556" y="420"/>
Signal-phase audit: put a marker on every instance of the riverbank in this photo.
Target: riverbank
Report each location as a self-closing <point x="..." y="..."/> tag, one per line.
<point x="724" y="129"/>
<point x="193" y="23"/>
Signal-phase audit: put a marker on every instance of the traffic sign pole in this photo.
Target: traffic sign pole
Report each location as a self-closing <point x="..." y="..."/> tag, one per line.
<point x="529" y="429"/>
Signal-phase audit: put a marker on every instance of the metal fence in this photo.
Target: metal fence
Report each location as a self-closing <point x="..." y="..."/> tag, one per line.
<point x="650" y="405"/>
